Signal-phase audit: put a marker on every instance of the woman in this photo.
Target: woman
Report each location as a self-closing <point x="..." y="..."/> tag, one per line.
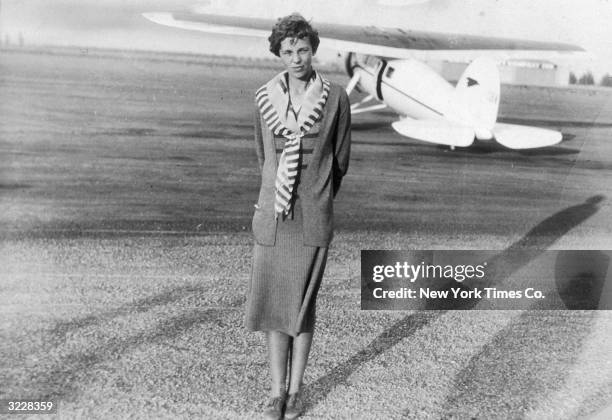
<point x="302" y="140"/>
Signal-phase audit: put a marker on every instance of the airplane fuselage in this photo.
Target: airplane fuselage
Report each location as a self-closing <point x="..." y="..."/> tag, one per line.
<point x="408" y="87"/>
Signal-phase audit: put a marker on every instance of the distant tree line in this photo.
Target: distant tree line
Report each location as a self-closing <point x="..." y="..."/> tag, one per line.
<point x="588" y="79"/>
<point x="606" y="80"/>
<point x="8" y="42"/>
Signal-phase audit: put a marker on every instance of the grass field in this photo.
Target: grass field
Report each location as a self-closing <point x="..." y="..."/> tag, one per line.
<point x="126" y="194"/>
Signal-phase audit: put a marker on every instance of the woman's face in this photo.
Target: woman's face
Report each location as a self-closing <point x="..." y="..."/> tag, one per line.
<point x="296" y="54"/>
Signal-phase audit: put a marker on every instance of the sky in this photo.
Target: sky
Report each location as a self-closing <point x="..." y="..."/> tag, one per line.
<point x="119" y="24"/>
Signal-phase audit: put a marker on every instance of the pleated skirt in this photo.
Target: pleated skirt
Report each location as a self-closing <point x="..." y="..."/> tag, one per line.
<point x="285" y="280"/>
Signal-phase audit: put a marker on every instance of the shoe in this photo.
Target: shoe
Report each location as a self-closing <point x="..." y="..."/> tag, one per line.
<point x="274" y="408"/>
<point x="294" y="406"/>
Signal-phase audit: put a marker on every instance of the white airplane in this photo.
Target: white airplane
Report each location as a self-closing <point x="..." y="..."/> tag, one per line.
<point x="384" y="63"/>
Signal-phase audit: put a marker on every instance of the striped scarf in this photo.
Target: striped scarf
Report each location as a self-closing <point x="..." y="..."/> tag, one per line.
<point x="273" y="100"/>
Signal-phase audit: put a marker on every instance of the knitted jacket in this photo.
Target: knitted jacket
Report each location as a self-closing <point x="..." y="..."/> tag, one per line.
<point x="319" y="182"/>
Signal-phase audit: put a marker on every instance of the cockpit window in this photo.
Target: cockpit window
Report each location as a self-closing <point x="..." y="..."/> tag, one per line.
<point x="372" y="61"/>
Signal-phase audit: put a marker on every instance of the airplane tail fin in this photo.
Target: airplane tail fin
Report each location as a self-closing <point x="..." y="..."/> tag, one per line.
<point x="476" y="98"/>
<point x="476" y="104"/>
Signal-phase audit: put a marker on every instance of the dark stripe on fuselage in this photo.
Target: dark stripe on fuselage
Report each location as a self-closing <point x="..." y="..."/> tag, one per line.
<point x="397" y="90"/>
<point x="383" y="66"/>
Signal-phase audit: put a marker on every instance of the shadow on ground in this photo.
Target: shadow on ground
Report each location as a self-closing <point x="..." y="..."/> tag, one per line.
<point x="524" y="363"/>
<point x="539" y="238"/>
<point x="61" y="381"/>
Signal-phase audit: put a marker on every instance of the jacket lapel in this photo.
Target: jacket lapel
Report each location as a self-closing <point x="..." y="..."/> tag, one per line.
<point x="314" y="101"/>
<point x="273" y="102"/>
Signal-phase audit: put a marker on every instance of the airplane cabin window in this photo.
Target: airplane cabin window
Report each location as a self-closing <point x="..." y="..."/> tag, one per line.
<point x="372" y="61"/>
<point x="390" y="71"/>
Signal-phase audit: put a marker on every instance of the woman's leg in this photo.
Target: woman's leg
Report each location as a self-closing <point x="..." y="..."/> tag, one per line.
<point x="299" y="359"/>
<point x="278" y="349"/>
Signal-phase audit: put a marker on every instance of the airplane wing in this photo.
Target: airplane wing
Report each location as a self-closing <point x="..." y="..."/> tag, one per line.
<point x="372" y="40"/>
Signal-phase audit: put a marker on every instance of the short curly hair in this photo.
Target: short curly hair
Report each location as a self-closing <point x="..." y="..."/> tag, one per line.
<point x="292" y="26"/>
